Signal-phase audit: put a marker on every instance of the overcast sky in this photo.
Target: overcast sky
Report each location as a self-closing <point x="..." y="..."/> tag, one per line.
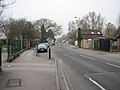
<point x="63" y="11"/>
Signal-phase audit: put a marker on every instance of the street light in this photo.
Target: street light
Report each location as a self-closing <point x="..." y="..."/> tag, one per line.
<point x="78" y="21"/>
<point x="76" y="42"/>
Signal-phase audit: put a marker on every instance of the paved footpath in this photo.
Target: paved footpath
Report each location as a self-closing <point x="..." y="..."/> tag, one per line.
<point x="29" y="72"/>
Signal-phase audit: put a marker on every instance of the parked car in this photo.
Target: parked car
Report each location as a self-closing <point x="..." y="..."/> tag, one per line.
<point x="42" y="48"/>
<point x="47" y="44"/>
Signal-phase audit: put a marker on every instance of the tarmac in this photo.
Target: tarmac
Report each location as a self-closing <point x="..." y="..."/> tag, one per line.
<point x="30" y="71"/>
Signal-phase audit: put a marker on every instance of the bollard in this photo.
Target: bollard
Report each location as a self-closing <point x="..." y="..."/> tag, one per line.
<point x="49" y="53"/>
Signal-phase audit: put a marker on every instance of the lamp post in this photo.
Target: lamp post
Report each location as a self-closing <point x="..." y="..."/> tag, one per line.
<point x="78" y="33"/>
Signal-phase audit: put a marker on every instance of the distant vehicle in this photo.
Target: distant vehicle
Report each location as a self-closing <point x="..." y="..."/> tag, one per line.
<point x="53" y="43"/>
<point x="63" y="41"/>
<point x="42" y="48"/>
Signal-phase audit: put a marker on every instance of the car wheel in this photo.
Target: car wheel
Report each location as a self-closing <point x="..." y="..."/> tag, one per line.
<point x="37" y="51"/>
<point x="45" y="50"/>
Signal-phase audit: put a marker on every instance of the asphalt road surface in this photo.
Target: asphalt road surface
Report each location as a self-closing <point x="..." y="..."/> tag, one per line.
<point x="88" y="69"/>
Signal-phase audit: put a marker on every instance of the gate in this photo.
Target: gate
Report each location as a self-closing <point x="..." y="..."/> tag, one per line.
<point x="105" y="45"/>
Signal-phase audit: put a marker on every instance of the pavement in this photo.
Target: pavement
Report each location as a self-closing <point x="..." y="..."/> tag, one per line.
<point x="113" y="54"/>
<point x="102" y="54"/>
<point x="30" y="71"/>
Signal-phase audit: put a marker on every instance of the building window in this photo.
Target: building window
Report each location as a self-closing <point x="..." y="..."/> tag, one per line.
<point x="92" y="33"/>
<point x="98" y="32"/>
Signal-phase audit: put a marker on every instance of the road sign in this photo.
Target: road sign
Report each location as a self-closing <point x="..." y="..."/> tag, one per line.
<point x="50" y="41"/>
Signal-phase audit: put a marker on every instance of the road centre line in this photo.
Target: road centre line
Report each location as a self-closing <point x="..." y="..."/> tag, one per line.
<point x="87" y="57"/>
<point x="113" y="65"/>
<point x="96" y="83"/>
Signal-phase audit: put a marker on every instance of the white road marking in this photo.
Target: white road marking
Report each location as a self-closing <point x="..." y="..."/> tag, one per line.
<point x="66" y="84"/>
<point x="61" y="61"/>
<point x="96" y="83"/>
<point x="113" y="65"/>
<point x="87" y="57"/>
<point x="65" y="77"/>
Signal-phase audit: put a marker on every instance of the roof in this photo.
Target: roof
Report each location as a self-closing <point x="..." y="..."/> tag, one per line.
<point x="91" y="32"/>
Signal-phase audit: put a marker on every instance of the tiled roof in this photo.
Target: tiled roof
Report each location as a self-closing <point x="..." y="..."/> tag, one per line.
<point x="91" y="32"/>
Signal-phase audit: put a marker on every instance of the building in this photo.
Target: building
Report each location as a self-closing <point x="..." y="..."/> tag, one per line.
<point x="88" y="35"/>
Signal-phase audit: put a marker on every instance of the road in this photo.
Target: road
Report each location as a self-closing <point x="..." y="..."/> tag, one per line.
<point x="88" y="69"/>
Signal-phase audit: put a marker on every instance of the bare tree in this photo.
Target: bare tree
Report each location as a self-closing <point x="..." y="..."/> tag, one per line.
<point x="48" y="24"/>
<point x="118" y="20"/>
<point x="110" y="30"/>
<point x="3" y="5"/>
<point x="93" y="21"/>
<point x="118" y="25"/>
<point x="72" y="36"/>
<point x="90" y="21"/>
<point x="57" y="29"/>
<point x="13" y="28"/>
<point x="82" y="23"/>
<point x="72" y="26"/>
